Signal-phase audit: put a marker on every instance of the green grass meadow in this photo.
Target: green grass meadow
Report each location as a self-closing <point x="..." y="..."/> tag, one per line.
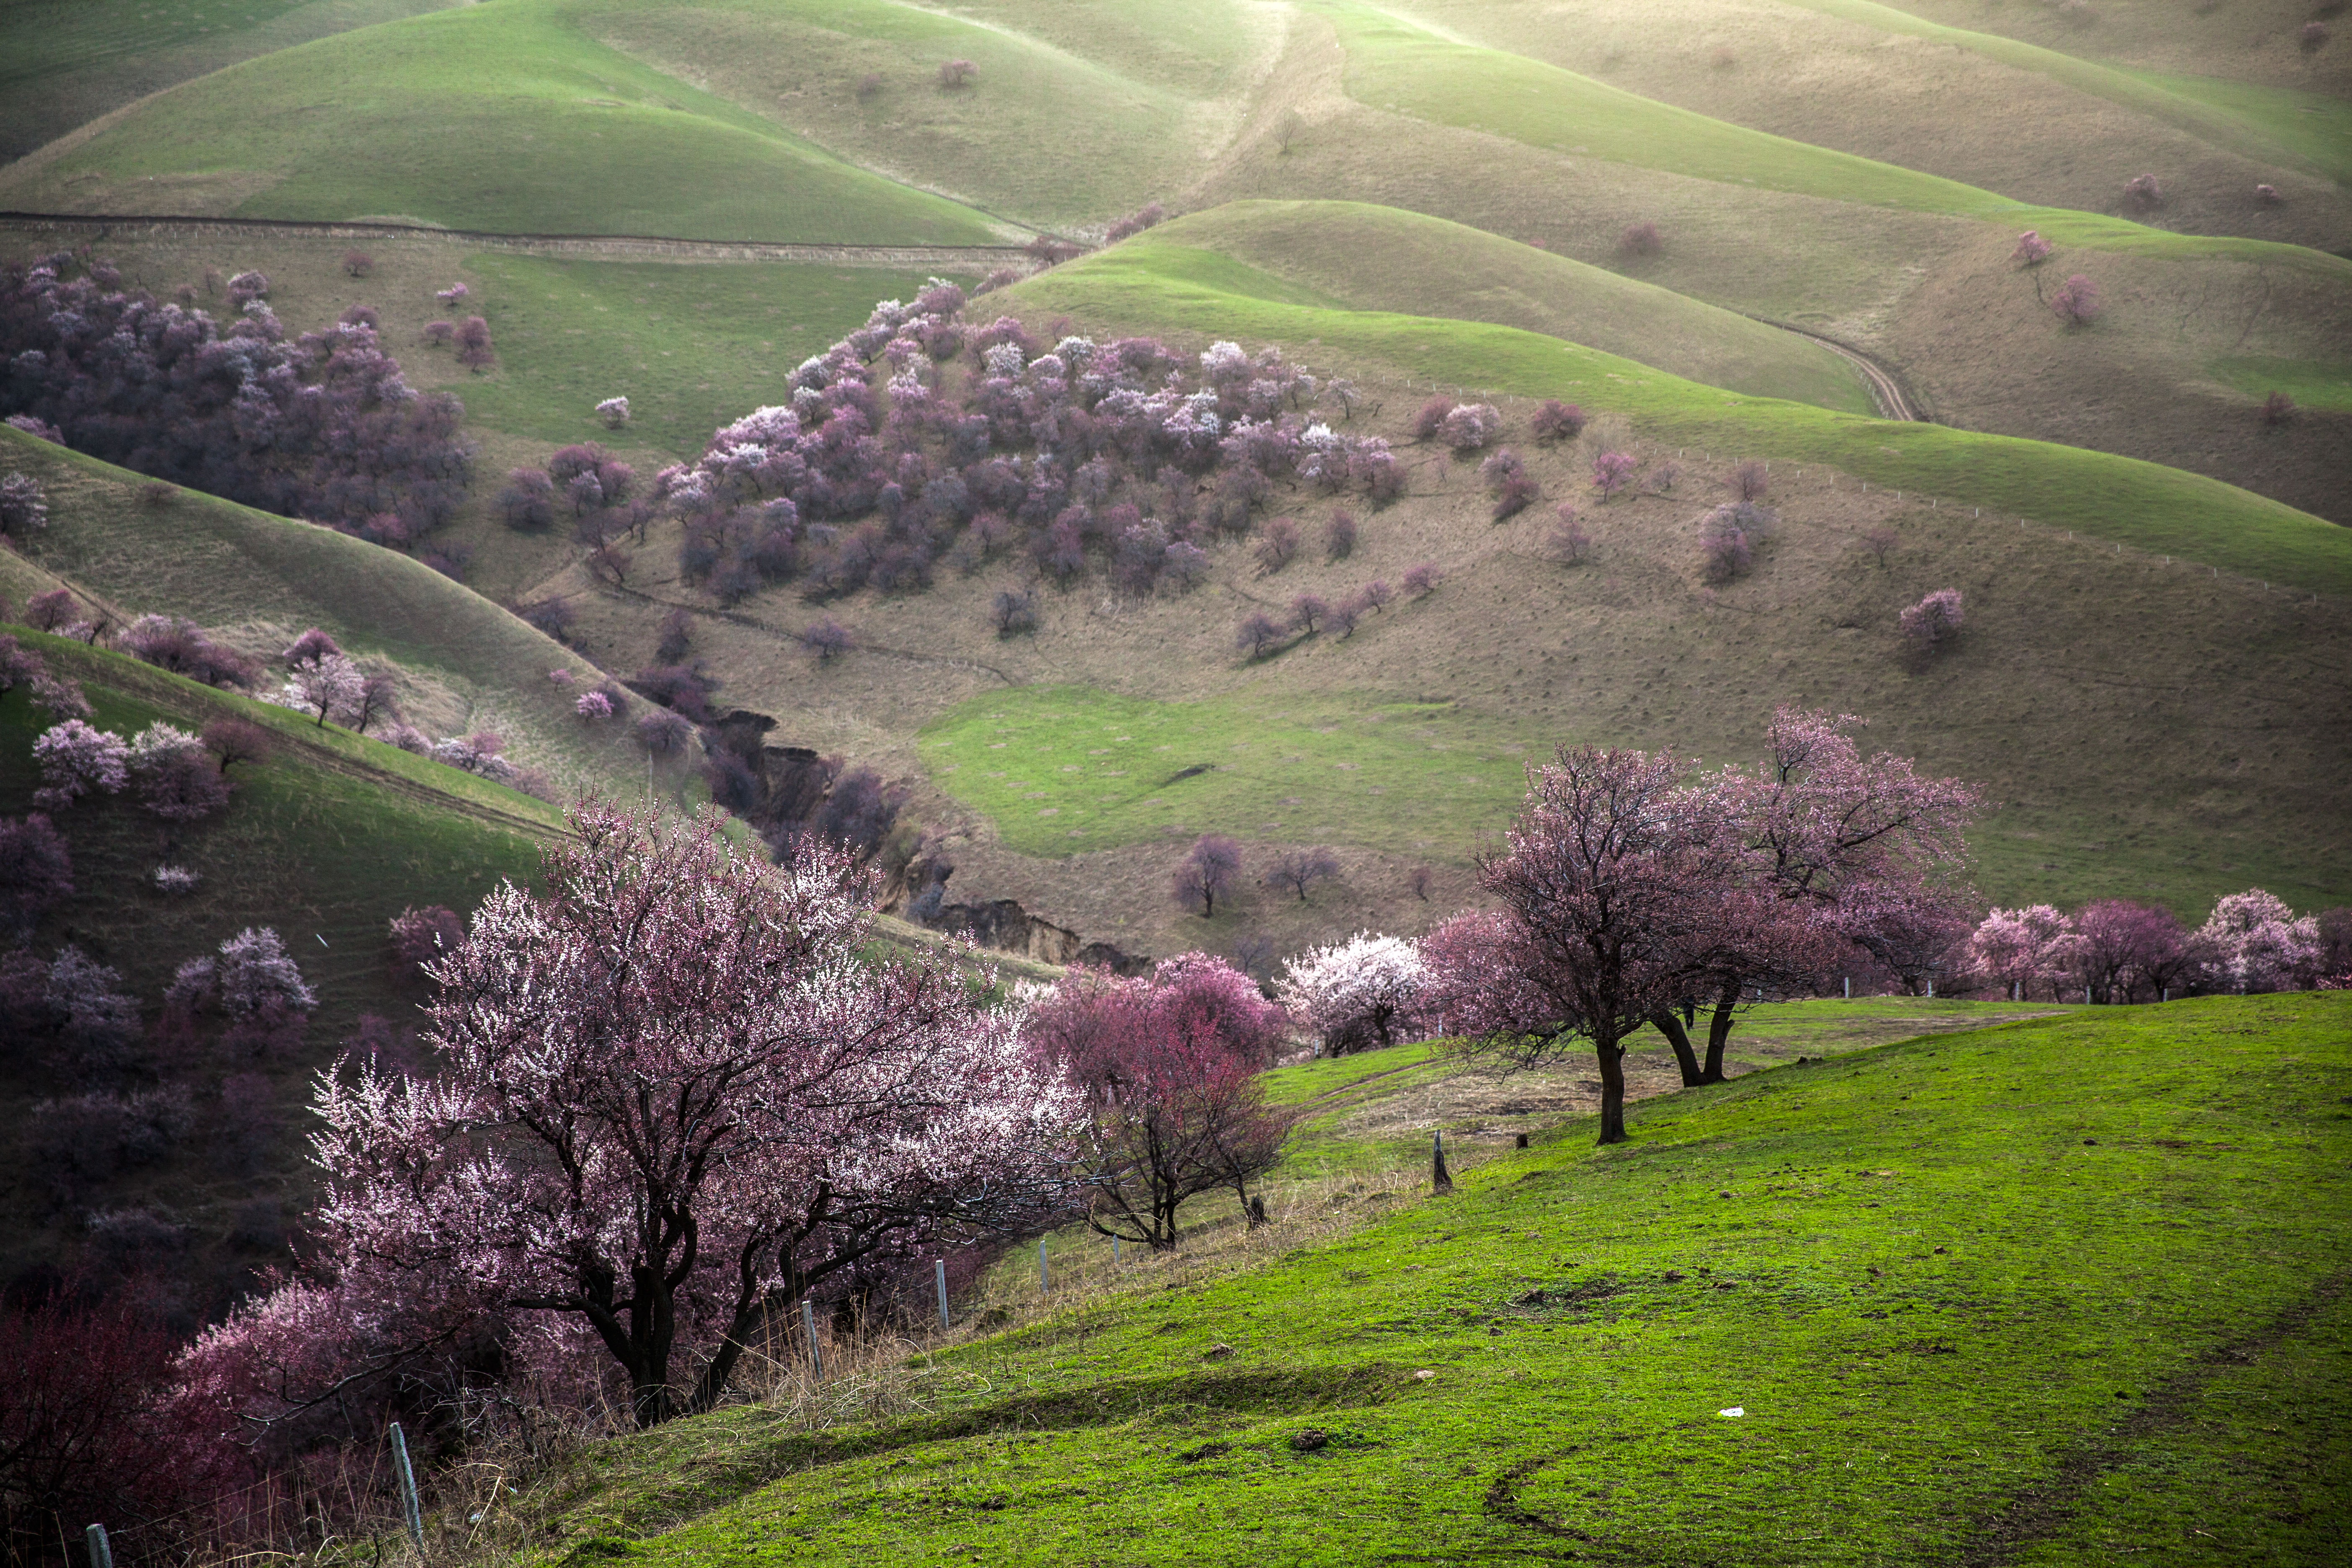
<point x="692" y="347"/>
<point x="2064" y="1291"/>
<point x="506" y="117"/>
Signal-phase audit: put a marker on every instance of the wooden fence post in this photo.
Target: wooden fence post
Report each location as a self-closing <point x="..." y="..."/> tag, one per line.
<point x="412" y="1514"/>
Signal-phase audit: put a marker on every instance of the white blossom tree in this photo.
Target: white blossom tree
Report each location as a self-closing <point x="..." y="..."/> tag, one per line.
<point x="1354" y="994"/>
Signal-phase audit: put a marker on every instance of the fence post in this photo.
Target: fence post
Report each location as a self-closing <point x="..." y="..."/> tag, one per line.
<point x="1849" y="987"/>
<point x="1045" y="1283"/>
<point x="808" y="1327"/>
<point x="102" y="1555"/>
<point x="411" y="1513"/>
<point x="939" y="1273"/>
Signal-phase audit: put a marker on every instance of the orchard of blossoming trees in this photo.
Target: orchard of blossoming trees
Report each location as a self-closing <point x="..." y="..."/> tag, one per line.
<point x="320" y="427"/>
<point x="920" y="440"/>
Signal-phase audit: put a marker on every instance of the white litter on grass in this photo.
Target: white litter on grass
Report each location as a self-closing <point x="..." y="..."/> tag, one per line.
<point x="1424" y="1375"/>
<point x="1735" y="1410"/>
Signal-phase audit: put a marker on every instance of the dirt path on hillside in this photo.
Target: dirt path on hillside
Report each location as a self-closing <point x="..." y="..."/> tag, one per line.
<point x="1884" y="390"/>
<point x="591" y="247"/>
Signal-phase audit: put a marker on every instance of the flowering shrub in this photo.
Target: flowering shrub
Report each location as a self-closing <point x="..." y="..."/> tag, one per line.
<point x="1934" y="621"/>
<point x="614" y="412"/>
<point x="175" y="880"/>
<point x="2076" y="301"/>
<point x="1612" y="471"/>
<point x="2032" y="250"/>
<point x="1557" y="421"/>
<point x="594" y="706"/>
<point x="2143" y="194"/>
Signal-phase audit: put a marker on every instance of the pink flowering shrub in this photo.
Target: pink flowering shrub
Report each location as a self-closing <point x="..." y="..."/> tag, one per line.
<point x="1934" y="621"/>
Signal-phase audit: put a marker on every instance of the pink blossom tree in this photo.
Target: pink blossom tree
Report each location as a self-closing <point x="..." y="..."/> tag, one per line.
<point x="678" y="1096"/>
<point x="1358" y="994"/>
<point x="1612" y="471"/>
<point x="1934" y="621"/>
<point x="1609" y="880"/>
<point x="1557" y="421"/>
<point x="2124" y="948"/>
<point x="2032" y="250"/>
<point x="327" y="686"/>
<point x="2254" y="942"/>
<point x="2023" y="948"/>
<point x="1167" y="1069"/>
<point x="1207" y="873"/>
<point x="2077" y="301"/>
<point x="76" y="760"/>
<point x="174" y="774"/>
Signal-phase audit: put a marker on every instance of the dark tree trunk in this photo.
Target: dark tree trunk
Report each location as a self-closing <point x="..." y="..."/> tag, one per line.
<point x="1718" y="1032"/>
<point x="1684" y="1056"/>
<point x="1612" y="1088"/>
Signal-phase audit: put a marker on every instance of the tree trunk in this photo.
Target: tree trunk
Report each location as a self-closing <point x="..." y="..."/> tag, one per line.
<point x="1612" y="1088"/>
<point x="1667" y="1023"/>
<point x="1718" y="1032"/>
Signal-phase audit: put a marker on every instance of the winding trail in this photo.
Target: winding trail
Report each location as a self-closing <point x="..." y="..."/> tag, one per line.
<point x="1884" y="390"/>
<point x="598" y="246"/>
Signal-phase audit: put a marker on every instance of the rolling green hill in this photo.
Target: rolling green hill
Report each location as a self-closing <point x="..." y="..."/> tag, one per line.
<point x="507" y="116"/>
<point x="1429" y="267"/>
<point x="2047" y="1293"/>
<point x="1155" y="283"/>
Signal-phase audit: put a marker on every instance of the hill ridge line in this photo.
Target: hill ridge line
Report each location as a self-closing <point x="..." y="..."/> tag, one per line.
<point x="161" y="226"/>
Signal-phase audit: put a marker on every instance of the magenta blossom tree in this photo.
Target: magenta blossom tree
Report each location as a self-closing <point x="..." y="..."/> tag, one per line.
<point x="1934" y="621"/>
<point x="678" y="1096"/>
<point x="2032" y="250"/>
<point x="1612" y="471"/>
<point x="2077" y="301"/>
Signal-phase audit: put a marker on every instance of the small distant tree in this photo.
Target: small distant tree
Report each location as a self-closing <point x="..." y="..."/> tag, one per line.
<point x="2312" y="37"/>
<point x="358" y="263"/>
<point x="1377" y="595"/>
<point x="2267" y="196"/>
<point x="438" y="335"/>
<point x="676" y="636"/>
<point x="1298" y="871"/>
<point x="1641" y="239"/>
<point x="1307" y="614"/>
<point x="826" y="638"/>
<point x="1933" y="622"/>
<point x="594" y="706"/>
<point x="474" y="350"/>
<point x="1419" y="880"/>
<point x="24" y="506"/>
<point x="2077" y="301"/>
<point x="1612" y="472"/>
<point x="233" y="741"/>
<point x="2032" y="250"/>
<point x="244" y="287"/>
<point x="1660" y="480"/>
<point x="453" y="294"/>
<point x="51" y="610"/>
<point x="1341" y="620"/>
<point x="2143" y="194"/>
<point x="1557" y="421"/>
<point x="1015" y="611"/>
<point x="1468" y="427"/>
<point x="664" y="733"/>
<point x="1750" y="480"/>
<point x="2277" y="409"/>
<point x="614" y="412"/>
<point x="1278" y="545"/>
<point x="1339" y="536"/>
<point x="1569" y="543"/>
<point x="1422" y="580"/>
<point x="325" y="686"/>
<point x="1431" y="418"/>
<point x="2022" y="949"/>
<point x="1726" y="541"/>
<point x="1880" y="542"/>
<point x="957" y="74"/>
<point x="1259" y="635"/>
<point x="174" y="774"/>
<point x="1207" y="873"/>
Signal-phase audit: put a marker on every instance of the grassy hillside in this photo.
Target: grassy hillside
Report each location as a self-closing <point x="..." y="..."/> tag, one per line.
<point x="1409" y="68"/>
<point x="71" y="61"/>
<point x="325" y="840"/>
<point x="2254" y="41"/>
<point x="1867" y="78"/>
<point x="501" y="116"/>
<point x="1433" y="268"/>
<point x="2055" y="1292"/>
<point x="259" y="580"/>
<point x="1156" y="281"/>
